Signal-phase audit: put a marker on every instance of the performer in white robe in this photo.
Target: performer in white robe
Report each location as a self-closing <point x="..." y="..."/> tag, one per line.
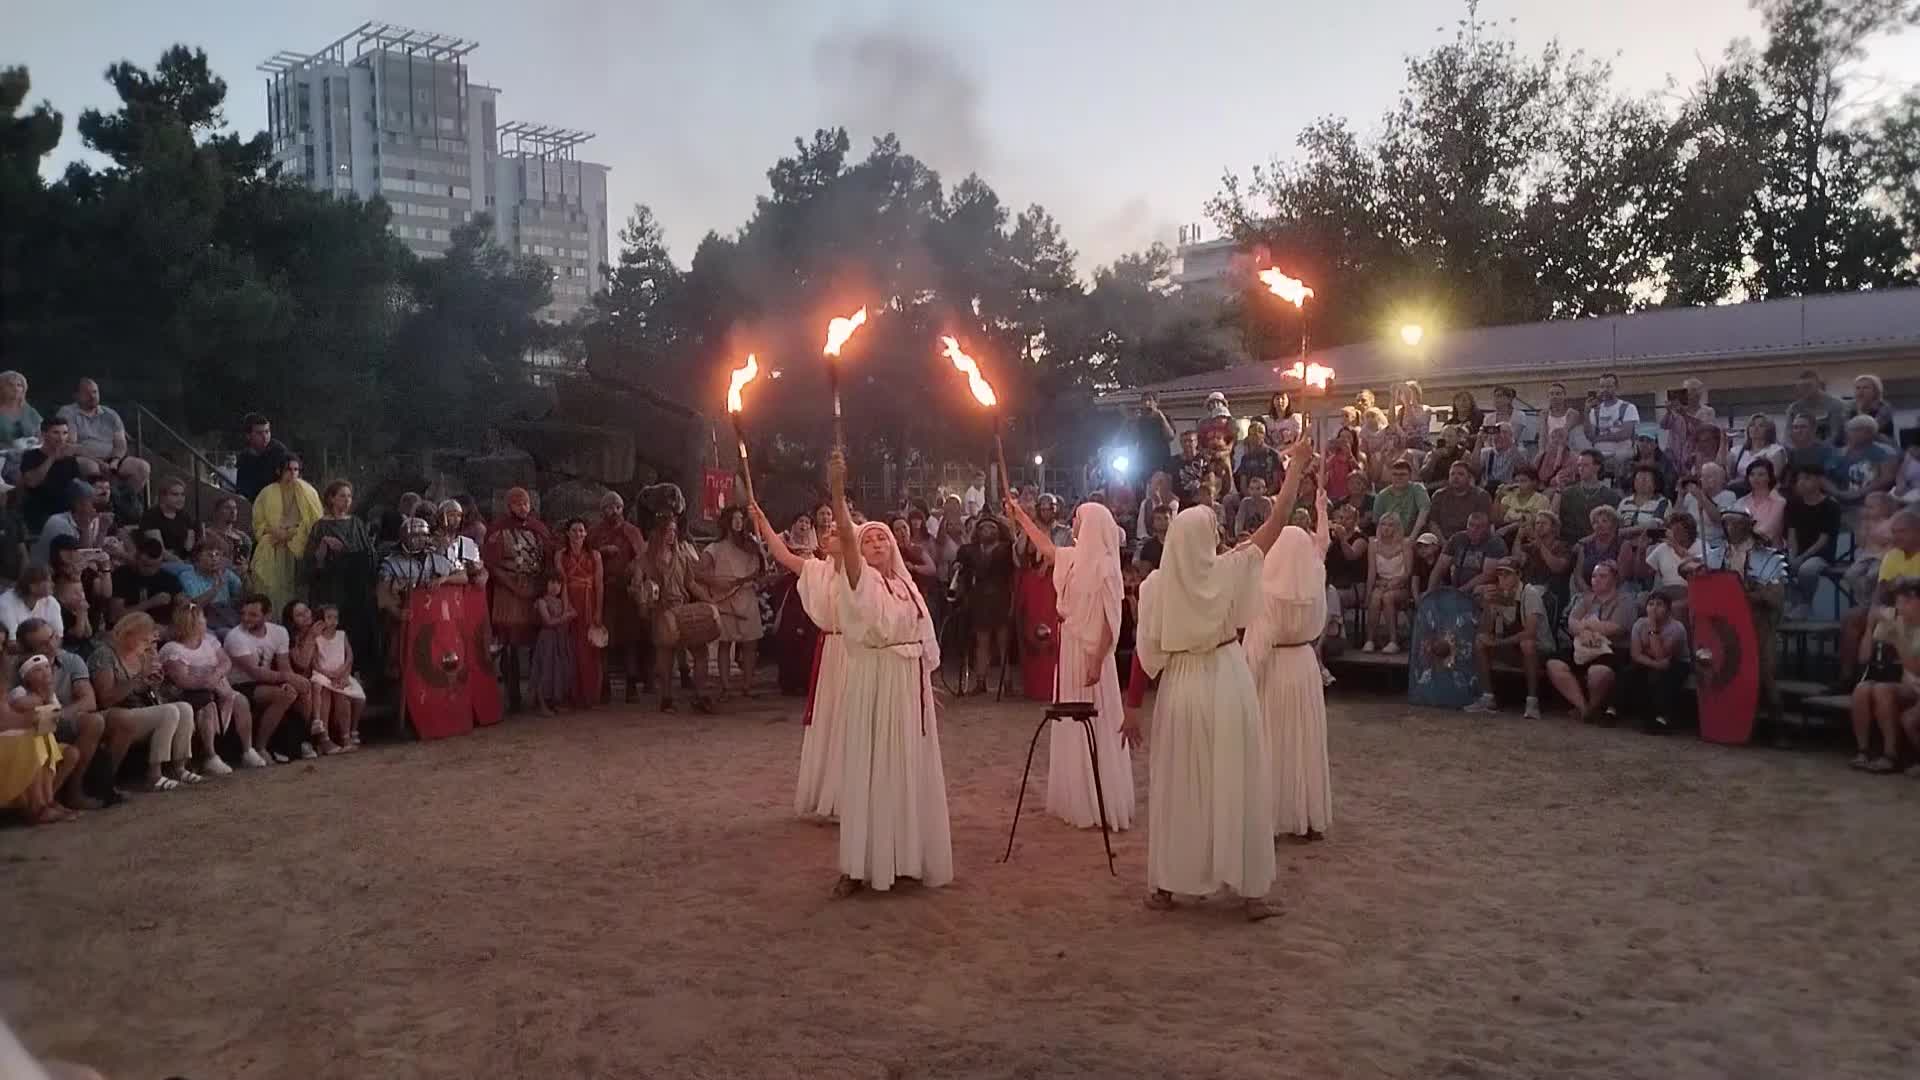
<point x="1210" y="814"/>
<point x="893" y="792"/>
<point x="817" y="791"/>
<point x="1292" y="615"/>
<point x="1087" y="581"/>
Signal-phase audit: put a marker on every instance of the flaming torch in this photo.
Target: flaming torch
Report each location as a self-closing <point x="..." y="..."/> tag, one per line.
<point x="743" y="375"/>
<point x="983" y="393"/>
<point x="1293" y="291"/>
<point x="838" y="331"/>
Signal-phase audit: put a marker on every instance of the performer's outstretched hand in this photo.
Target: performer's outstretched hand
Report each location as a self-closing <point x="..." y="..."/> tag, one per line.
<point x="1130" y="731"/>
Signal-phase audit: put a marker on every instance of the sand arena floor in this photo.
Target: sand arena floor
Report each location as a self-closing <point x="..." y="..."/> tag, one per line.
<point x="624" y="894"/>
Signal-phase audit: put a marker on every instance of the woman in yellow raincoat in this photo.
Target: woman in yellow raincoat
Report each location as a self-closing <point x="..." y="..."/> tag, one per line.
<point x="283" y="513"/>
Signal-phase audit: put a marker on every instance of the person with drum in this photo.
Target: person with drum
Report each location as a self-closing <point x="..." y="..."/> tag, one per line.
<point x="667" y="582"/>
<point x="893" y="792"/>
<point x="817" y="792"/>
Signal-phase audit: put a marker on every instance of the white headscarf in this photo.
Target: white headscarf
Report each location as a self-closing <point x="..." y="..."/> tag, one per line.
<point x="1293" y="593"/>
<point x="1088" y="580"/>
<point x="897" y="577"/>
<point x="1200" y="603"/>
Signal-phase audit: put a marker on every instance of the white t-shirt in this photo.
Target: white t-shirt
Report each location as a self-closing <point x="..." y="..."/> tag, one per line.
<point x="1620" y="413"/>
<point x="262" y="650"/>
<point x="14" y="611"/>
<point x="1711" y="531"/>
<point x="1666" y="562"/>
<point x="1576" y="436"/>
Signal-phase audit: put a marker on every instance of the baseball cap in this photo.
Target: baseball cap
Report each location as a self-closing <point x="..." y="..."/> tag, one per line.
<point x="1428" y="538"/>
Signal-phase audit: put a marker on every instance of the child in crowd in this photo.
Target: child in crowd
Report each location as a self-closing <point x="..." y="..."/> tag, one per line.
<point x="553" y="649"/>
<point x="338" y="696"/>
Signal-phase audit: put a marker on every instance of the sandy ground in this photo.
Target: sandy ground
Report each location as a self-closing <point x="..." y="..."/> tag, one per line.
<point x="627" y="895"/>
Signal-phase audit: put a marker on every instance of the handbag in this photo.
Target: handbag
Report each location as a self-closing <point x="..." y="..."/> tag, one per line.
<point x="1589" y="647"/>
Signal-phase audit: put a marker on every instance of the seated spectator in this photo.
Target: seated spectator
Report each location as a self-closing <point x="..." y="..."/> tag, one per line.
<point x="1763" y="573"/>
<point x="227" y="530"/>
<point x="263" y="671"/>
<point x="13" y="534"/>
<point x="259" y="461"/>
<point x="81" y="521"/>
<point x="1412" y="418"/>
<point x="1705" y="499"/>
<point x="1870" y="400"/>
<point x="1766" y="507"/>
<point x="1347" y="557"/>
<point x="1147" y="559"/>
<point x="1513" y="625"/>
<point x="1557" y="465"/>
<point x="1899" y="561"/>
<point x="1657" y="680"/>
<point x="1360" y="497"/>
<point x="1805" y="450"/>
<point x="1389" y="584"/>
<point x="1763" y="443"/>
<point x="49" y="471"/>
<point x="19" y="420"/>
<point x="1575" y="503"/>
<point x="127" y="684"/>
<point x="1519" y="501"/>
<point x="1863" y="466"/>
<point x="1258" y="458"/>
<point x="1906" y="484"/>
<point x="76" y="617"/>
<point x="197" y="667"/>
<point x="30" y="754"/>
<point x="1812" y="526"/>
<point x="1468" y="560"/>
<point x="30" y="598"/>
<point x="1450" y="447"/>
<point x="1159" y="496"/>
<point x="79" y="726"/>
<point x="167" y="521"/>
<point x="1604" y="544"/>
<point x="1567" y="419"/>
<point x="215" y="588"/>
<point x="1426" y="555"/>
<point x="1499" y="462"/>
<point x="1452" y="504"/>
<point x="1644" y="507"/>
<point x="1544" y="558"/>
<point x="1669" y="559"/>
<point x="1647" y="452"/>
<point x="1598" y="621"/>
<point x="1825" y="413"/>
<point x="1465" y="415"/>
<point x="1709" y="448"/>
<point x="100" y="436"/>
<point x="1871" y="542"/>
<point x="145" y="584"/>
<point x="1255" y="507"/>
<point x="1887" y="695"/>
<point x="1381" y="443"/>
<point x="338" y="697"/>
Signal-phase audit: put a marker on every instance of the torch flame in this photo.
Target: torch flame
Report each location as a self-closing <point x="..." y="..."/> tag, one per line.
<point x="839" y="330"/>
<point x="742" y="375"/>
<point x="1314" y="375"/>
<point x="982" y="389"/>
<point x="1291" y="289"/>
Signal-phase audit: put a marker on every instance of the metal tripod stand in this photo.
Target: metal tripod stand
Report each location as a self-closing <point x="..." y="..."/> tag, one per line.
<point x="1082" y="712"/>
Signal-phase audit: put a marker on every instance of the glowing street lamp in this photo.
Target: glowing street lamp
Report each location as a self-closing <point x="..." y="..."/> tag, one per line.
<point x="1040" y="472"/>
<point x="1412" y="333"/>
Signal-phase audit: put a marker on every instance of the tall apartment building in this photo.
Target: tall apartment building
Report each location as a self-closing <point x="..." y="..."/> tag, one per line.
<point x="391" y="112"/>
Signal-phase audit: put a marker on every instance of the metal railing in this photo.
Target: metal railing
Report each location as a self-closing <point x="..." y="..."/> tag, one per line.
<point x="202" y="471"/>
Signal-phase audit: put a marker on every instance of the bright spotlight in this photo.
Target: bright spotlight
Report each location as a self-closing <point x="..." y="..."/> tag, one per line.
<point x="1121" y="464"/>
<point x="1039" y="460"/>
<point x="1411" y="333"/>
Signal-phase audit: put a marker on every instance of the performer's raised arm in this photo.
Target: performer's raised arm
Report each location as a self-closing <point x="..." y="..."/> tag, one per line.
<point x="843" y="517"/>
<point x="1042" y="543"/>
<point x="1299" y="459"/>
<point x="776" y="545"/>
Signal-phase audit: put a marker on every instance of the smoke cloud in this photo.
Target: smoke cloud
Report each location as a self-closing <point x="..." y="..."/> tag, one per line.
<point x="890" y="79"/>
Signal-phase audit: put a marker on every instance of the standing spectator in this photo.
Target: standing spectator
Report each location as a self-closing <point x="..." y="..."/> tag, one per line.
<point x="1705" y="500"/>
<point x="1504" y="414"/>
<point x="284" y="512"/>
<point x="1558" y="465"/>
<point x="584" y="577"/>
<point x="101" y="437"/>
<point x="1571" y="422"/>
<point x="127" y="679"/>
<point x="49" y="471"/>
<point x="1812" y="529"/>
<point x="197" y="666"/>
<point x="1805" y="451"/>
<point x="1870" y="400"/>
<point x="1763" y="573"/>
<point x="1403" y="499"/>
<point x="733" y="567"/>
<point x="1500" y="461"/>
<point x="167" y="520"/>
<point x="1657" y="680"/>
<point x="1470" y="556"/>
<point x="975" y="498"/>
<point x="1763" y="506"/>
<point x="218" y="590"/>
<point x="1891" y="655"/>
<point x="225" y="528"/>
<point x="1863" y="466"/>
<point x="1454" y="504"/>
<point x="620" y="545"/>
<point x="1598" y="621"/>
<point x="19" y="420"/>
<point x="1257" y="458"/>
<point x="263" y="670"/>
<point x="343" y="570"/>
<point x="145" y="584"/>
<point x="1282" y="424"/>
<point x="1514" y="624"/>
<point x="258" y="463"/>
<point x="1389" y="584"/>
<point x="1576" y="502"/>
<point x="30" y="598"/>
<point x="987" y="594"/>
<point x="1150" y="435"/>
<point x="1762" y="441"/>
<point x="1465" y="414"/>
<point x="1687" y="416"/>
<point x="1827" y="413"/>
<point x="1412" y="420"/>
<point x="1147" y="559"/>
<point x="1612" y="420"/>
<point x="82" y="522"/>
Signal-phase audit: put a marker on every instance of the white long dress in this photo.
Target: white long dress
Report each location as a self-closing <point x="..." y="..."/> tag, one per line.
<point x="1088" y="583"/>
<point x="1292" y="613"/>
<point x="817" y="793"/>
<point x="1210" y="810"/>
<point x="893" y="793"/>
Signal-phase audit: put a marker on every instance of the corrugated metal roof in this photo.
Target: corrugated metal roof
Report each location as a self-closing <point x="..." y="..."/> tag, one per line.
<point x="1865" y="322"/>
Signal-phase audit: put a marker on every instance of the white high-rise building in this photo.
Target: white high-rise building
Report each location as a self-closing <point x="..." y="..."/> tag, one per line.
<point x="391" y="112"/>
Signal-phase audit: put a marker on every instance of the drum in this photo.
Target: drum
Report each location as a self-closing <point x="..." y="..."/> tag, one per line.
<point x="687" y="626"/>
